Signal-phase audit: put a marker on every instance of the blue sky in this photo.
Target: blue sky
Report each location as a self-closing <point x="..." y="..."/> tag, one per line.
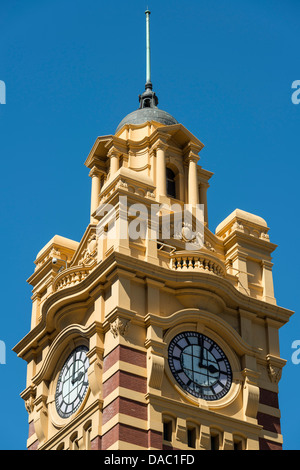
<point x="74" y="69"/>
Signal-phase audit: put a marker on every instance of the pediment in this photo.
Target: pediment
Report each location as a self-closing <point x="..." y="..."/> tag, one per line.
<point x="86" y="253"/>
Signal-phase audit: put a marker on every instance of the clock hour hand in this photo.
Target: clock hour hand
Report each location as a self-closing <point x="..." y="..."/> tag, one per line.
<point x="211" y="368"/>
<point x="79" y="376"/>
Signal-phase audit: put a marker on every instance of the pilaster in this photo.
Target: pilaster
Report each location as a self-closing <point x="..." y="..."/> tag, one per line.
<point x="161" y="181"/>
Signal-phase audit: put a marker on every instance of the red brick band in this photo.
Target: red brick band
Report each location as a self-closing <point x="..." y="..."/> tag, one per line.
<point x="126" y="354"/>
<point x="268" y="398"/>
<point x="264" y="444"/>
<point x="96" y="443"/>
<point x="124" y="406"/>
<point x="269" y="422"/>
<point x="31" y="429"/>
<point x="126" y="380"/>
<point x="131" y="435"/>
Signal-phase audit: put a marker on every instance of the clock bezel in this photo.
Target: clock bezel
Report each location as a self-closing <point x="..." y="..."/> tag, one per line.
<point x="229" y="353"/>
<point x="205" y="392"/>
<point x="56" y="416"/>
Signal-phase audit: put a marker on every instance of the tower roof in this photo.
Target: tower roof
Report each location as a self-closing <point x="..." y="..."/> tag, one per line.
<point x="142" y="115"/>
<point x="148" y="110"/>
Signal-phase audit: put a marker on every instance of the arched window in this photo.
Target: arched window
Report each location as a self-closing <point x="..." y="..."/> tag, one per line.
<point x="171" y="186"/>
<point x="87" y="428"/>
<point x="74" y="441"/>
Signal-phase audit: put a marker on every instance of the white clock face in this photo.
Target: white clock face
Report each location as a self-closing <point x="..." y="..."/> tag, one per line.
<point x="72" y="382"/>
<point x="199" y="366"/>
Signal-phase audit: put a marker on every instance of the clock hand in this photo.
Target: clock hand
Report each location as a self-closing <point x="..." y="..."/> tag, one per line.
<point x="73" y="372"/>
<point x="201" y="352"/>
<point x="79" y="376"/>
<point x="212" y="369"/>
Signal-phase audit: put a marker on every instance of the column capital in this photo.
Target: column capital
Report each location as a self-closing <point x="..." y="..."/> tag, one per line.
<point x="239" y="254"/>
<point x="192" y="157"/>
<point x="113" y="152"/>
<point x="267" y="264"/>
<point x="95" y="171"/>
<point x="203" y="185"/>
<point x="160" y="144"/>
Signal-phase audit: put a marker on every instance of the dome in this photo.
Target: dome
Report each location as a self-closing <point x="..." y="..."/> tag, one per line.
<point x="148" y="111"/>
<point x="143" y="115"/>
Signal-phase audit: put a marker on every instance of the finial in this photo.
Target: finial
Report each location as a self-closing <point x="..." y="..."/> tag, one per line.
<point x="148" y="58"/>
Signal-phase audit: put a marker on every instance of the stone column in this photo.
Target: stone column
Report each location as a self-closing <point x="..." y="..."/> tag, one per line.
<point x="114" y="161"/>
<point x="203" y="199"/>
<point x="96" y="176"/>
<point x="161" y="179"/>
<point x="193" y="197"/>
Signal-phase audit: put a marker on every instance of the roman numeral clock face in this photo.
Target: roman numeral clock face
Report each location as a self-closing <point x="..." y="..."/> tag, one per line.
<point x="72" y="383"/>
<point x="199" y="366"/>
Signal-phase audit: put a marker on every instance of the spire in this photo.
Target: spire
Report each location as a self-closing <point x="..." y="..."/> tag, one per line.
<point x="148" y="99"/>
<point x="148" y="55"/>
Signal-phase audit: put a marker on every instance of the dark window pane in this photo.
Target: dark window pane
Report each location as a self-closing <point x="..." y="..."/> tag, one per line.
<point x="214" y="442"/>
<point x="191" y="437"/>
<point x="171" y="190"/>
<point x="168" y="430"/>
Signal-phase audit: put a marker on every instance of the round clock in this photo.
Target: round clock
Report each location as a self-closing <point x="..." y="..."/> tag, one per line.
<point x="72" y="382"/>
<point x="199" y="365"/>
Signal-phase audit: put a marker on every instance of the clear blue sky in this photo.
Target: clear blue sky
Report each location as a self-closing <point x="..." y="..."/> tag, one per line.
<point x="73" y="69"/>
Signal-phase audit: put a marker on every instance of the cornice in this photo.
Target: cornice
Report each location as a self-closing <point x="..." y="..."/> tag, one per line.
<point x="83" y="291"/>
<point x="93" y="156"/>
<point x="238" y="235"/>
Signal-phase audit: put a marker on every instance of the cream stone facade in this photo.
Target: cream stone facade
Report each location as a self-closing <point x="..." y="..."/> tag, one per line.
<point x="125" y="300"/>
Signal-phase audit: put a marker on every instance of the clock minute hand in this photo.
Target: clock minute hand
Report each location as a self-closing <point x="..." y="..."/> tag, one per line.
<point x="201" y="352"/>
<point x="73" y="371"/>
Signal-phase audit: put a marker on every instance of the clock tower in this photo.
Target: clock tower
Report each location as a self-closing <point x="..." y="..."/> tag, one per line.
<point x="154" y="333"/>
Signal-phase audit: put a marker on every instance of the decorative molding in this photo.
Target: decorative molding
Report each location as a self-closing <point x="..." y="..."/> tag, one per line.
<point x="29" y="395"/>
<point x="155" y="362"/>
<point x="53" y="253"/>
<point x="41" y="418"/>
<point x="274" y="373"/>
<point x="250" y="393"/>
<point x="89" y="254"/>
<point x="119" y="327"/>
<point x="275" y="365"/>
